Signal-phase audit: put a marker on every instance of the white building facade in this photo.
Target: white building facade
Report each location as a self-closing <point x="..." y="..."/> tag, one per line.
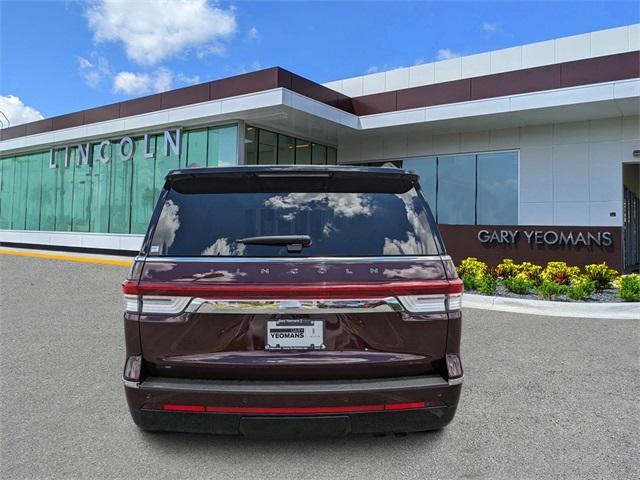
<point x="529" y="152"/>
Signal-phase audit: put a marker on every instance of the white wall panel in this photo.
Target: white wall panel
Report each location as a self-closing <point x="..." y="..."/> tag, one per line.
<point x="600" y="214"/>
<point x="605" y="171"/>
<point x="571" y="173"/>
<point x="506" y="59"/>
<point x="396" y="79"/>
<point x="608" y="42"/>
<point x="447" y="70"/>
<point x="538" y="54"/>
<point x="540" y="213"/>
<point x="605" y="129"/>
<point x="373" y="83"/>
<point x="573" y="48"/>
<point x="421" y="75"/>
<point x="571" y="213"/>
<point x="536" y="174"/>
<point x="573" y="132"/>
<point x="476" y="65"/>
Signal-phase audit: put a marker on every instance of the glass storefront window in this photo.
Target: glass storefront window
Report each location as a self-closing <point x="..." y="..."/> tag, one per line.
<point x="267" y="154"/>
<point x="113" y="195"/>
<point x="470" y="189"/>
<point x="286" y="150"/>
<point x="263" y="147"/>
<point x="498" y="189"/>
<point x="251" y="146"/>
<point x="427" y="168"/>
<point x="303" y="152"/>
<point x="318" y="154"/>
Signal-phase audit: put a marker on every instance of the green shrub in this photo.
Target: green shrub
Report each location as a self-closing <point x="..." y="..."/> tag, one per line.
<point x="550" y="290"/>
<point x="470" y="282"/>
<point x="600" y="274"/>
<point x="559" y="272"/>
<point x="629" y="286"/>
<point x="519" y="284"/>
<point x="472" y="267"/>
<point x="581" y="287"/>
<point x="531" y="272"/>
<point x="507" y="269"/>
<point x="486" y="285"/>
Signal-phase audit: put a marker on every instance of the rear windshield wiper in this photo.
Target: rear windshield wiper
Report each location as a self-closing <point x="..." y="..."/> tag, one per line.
<point x="294" y="243"/>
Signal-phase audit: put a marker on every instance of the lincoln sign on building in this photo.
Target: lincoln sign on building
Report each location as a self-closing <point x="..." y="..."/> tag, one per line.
<point x="530" y="153"/>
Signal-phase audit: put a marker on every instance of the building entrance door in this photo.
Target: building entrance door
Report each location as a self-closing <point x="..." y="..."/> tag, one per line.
<point x="631" y="216"/>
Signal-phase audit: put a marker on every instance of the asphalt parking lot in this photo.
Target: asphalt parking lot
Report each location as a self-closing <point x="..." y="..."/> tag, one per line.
<point x="544" y="397"/>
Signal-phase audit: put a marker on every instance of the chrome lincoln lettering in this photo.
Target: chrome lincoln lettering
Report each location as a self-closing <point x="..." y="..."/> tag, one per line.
<point x="294" y="271"/>
<point x="83" y="155"/>
<point x="147" y="153"/>
<point x="126" y="153"/>
<point x="173" y="142"/>
<point x="321" y="269"/>
<point x="126" y="146"/>
<point x="264" y="271"/>
<point x="101" y="156"/>
<point x="52" y="159"/>
<point x="347" y="271"/>
<point x="374" y="270"/>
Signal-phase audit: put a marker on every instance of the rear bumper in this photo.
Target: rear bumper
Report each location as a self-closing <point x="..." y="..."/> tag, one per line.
<point x="239" y="406"/>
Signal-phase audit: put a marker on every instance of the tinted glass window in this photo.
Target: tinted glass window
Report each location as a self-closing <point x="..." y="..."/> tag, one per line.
<point x="339" y="224"/>
<point x="498" y="189"/>
<point x="457" y="190"/>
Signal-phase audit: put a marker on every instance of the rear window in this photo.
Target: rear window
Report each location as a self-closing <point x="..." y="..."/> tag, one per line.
<point x="197" y="222"/>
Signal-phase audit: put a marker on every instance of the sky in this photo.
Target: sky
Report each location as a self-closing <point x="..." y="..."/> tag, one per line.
<point x="61" y="56"/>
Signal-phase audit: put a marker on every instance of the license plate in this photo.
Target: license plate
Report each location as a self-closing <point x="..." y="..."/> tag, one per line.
<point x="295" y="334"/>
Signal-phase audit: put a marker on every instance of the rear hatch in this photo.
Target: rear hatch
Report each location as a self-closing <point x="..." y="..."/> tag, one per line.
<point x="293" y="273"/>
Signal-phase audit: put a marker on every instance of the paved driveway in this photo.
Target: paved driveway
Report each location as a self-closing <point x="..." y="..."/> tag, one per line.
<point x="544" y="398"/>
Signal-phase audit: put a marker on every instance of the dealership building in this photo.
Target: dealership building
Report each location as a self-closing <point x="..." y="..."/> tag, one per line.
<point x="530" y="152"/>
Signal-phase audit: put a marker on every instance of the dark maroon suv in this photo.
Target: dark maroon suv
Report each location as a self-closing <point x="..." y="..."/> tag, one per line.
<point x="292" y="300"/>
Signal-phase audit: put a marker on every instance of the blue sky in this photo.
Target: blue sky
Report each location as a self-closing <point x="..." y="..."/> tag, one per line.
<point x="62" y="56"/>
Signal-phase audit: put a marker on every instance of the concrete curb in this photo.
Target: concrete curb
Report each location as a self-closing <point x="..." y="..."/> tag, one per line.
<point x="622" y="311"/>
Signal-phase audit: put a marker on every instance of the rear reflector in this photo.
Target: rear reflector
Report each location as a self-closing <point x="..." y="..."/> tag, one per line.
<point x="183" y="408"/>
<point x="291" y="410"/>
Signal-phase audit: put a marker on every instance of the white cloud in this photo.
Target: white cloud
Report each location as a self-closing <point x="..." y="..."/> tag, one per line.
<point x="186" y="80"/>
<point x="419" y="61"/>
<point x="373" y="69"/>
<point x="489" y="27"/>
<point x="446" y="53"/>
<point x="152" y="30"/>
<point x="93" y="71"/>
<point x="16" y="111"/>
<point x="160" y="80"/>
<point x="254" y="34"/>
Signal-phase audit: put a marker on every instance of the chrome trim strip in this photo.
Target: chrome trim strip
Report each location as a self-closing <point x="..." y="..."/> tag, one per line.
<point x="456" y="381"/>
<point x="130" y="383"/>
<point x="398" y="258"/>
<point x="262" y="387"/>
<point x="273" y="306"/>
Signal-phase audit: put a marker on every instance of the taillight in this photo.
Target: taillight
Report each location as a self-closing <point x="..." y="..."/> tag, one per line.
<point x="131" y="303"/>
<point x="173" y="298"/>
<point x="446" y="302"/>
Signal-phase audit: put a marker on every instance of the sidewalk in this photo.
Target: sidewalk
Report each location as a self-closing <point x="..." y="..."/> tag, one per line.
<point x="623" y="310"/>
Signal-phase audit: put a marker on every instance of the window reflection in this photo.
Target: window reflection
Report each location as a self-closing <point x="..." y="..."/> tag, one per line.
<point x="168" y="225"/>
